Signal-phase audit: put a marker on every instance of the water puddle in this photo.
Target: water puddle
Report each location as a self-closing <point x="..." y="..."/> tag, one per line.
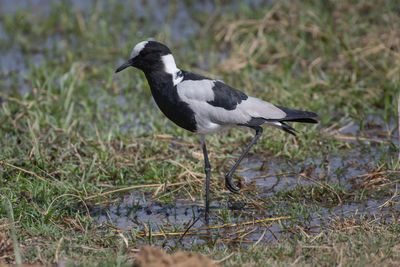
<point x="183" y="221"/>
<point x="372" y="129"/>
<point x="353" y="169"/>
<point x="138" y="209"/>
<point x="275" y="175"/>
<point x="243" y="222"/>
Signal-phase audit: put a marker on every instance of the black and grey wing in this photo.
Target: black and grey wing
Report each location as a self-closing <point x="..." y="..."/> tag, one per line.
<point x="226" y="97"/>
<point x="217" y="104"/>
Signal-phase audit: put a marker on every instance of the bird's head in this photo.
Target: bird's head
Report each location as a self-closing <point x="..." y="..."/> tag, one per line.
<point x="147" y="56"/>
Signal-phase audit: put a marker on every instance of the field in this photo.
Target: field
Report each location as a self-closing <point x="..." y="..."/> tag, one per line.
<point x="91" y="170"/>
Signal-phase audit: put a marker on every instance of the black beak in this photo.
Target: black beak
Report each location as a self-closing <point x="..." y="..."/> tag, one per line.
<point x="125" y="65"/>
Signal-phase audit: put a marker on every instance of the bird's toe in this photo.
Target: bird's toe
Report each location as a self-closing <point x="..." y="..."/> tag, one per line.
<point x="230" y="186"/>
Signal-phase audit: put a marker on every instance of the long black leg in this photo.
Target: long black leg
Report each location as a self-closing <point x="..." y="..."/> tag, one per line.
<point x="228" y="177"/>
<point x="207" y="170"/>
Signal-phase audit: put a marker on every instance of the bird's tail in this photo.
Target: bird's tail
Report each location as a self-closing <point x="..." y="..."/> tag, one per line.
<point x="299" y="115"/>
<point x="293" y="115"/>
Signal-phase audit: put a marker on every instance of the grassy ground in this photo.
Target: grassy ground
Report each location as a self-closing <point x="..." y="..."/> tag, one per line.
<point x="71" y="131"/>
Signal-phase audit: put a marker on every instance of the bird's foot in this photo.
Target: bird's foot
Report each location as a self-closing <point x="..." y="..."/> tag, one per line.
<point x="229" y="184"/>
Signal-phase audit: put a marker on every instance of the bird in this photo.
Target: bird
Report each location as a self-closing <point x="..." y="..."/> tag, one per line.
<point x="203" y="106"/>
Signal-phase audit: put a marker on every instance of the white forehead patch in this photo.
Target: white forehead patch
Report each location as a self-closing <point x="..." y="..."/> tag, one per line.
<point x="139" y="47"/>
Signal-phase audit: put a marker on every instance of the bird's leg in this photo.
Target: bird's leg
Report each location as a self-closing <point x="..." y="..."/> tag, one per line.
<point x="207" y="170"/>
<point x="228" y="177"/>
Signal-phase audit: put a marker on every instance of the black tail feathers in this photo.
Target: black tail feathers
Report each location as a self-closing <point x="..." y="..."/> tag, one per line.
<point x="299" y="115"/>
<point x="293" y="115"/>
<point x="288" y="128"/>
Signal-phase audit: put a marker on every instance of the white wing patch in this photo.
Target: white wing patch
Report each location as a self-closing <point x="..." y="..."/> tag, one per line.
<point x="139" y="47"/>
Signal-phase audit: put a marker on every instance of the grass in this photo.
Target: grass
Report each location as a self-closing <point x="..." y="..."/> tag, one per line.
<point x="369" y="245"/>
<point x="72" y="132"/>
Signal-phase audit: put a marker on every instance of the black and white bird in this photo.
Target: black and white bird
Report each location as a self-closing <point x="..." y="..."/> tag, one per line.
<point x="202" y="105"/>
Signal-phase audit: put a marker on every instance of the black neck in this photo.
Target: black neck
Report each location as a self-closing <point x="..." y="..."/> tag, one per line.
<point x="160" y="82"/>
<point x="166" y="96"/>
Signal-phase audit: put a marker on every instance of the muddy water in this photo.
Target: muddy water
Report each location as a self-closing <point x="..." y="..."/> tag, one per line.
<point x="269" y="177"/>
<point x="138" y="211"/>
<point x="333" y="168"/>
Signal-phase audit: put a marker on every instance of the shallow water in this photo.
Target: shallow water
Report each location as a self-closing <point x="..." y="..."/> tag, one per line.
<point x="138" y="211"/>
<point x="280" y="175"/>
<point x="134" y="213"/>
<point x="269" y="177"/>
